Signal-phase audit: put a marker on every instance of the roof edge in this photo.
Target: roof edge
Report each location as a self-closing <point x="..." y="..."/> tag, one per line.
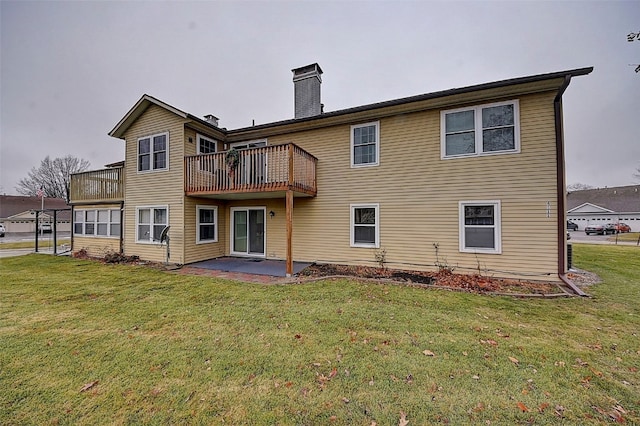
<point x="143" y="103"/>
<point x="432" y="95"/>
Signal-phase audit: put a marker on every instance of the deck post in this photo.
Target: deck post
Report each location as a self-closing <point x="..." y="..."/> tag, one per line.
<point x="289" y="211"/>
<point x="289" y="208"/>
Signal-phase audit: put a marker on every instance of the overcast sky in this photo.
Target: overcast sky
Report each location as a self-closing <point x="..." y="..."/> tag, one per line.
<point x="71" y="70"/>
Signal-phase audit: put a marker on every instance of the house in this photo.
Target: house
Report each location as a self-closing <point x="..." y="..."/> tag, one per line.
<point x="605" y="205"/>
<point x="17" y="213"/>
<point x="470" y="178"/>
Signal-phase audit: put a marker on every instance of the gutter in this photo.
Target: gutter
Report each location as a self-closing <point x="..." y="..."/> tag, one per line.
<point x="561" y="188"/>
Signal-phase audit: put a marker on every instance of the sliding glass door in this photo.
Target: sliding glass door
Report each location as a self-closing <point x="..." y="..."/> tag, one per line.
<point x="248" y="231"/>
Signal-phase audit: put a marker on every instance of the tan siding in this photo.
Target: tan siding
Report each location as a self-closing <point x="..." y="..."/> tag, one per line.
<point x="195" y="252"/>
<point x="157" y="187"/>
<point x="419" y="194"/>
<point x="96" y="246"/>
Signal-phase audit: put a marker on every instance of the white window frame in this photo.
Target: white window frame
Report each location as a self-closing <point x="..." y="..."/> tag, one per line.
<point x="200" y="138"/>
<point x="94" y="234"/>
<point x="376" y="124"/>
<point x="497" y="225"/>
<point x="352" y="224"/>
<point x="151" y="223"/>
<point x="151" y="153"/>
<point x="478" y="130"/>
<point x="215" y="224"/>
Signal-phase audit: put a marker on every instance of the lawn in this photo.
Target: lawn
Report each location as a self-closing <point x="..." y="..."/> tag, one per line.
<point x="88" y="343"/>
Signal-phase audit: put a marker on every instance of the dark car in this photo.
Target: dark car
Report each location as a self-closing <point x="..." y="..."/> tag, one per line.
<point x="598" y="229"/>
<point x="571" y="226"/>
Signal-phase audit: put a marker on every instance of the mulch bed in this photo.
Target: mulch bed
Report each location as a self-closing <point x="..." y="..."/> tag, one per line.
<point x="442" y="279"/>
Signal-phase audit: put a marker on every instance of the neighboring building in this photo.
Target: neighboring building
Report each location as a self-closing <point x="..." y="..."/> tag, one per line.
<point x="471" y="177"/>
<point x="17" y="213"/>
<point x="605" y="205"/>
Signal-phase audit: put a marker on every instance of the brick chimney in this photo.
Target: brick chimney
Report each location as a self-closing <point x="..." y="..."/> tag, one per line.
<point x="306" y="89"/>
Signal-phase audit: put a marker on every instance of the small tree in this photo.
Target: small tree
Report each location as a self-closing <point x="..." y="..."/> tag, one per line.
<point x="578" y="187"/>
<point x="52" y="176"/>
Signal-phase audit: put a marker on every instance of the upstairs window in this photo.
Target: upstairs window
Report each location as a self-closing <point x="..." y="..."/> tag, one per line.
<point x="481" y="130"/>
<point x="206" y="145"/>
<point x="365" y="144"/>
<point x="152" y="152"/>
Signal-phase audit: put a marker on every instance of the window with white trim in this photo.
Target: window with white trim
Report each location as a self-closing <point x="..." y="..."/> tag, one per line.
<point x="96" y="222"/>
<point x="150" y="221"/>
<point x="152" y="152"/>
<point x="206" y="224"/>
<point x="365" y="225"/>
<point x="480" y="227"/>
<point x="206" y="145"/>
<point x="480" y="130"/>
<point x="365" y="144"/>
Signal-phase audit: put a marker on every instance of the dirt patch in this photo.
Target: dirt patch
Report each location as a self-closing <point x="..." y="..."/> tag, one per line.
<point x="443" y="278"/>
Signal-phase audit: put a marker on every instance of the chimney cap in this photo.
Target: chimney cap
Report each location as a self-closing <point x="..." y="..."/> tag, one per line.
<point x="212" y="119"/>
<point x="307" y="71"/>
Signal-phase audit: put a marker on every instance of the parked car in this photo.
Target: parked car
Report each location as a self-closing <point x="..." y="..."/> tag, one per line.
<point x="598" y="229"/>
<point x="622" y="227"/>
<point x="572" y="226"/>
<point x="44" y="228"/>
<point x="2" y="230"/>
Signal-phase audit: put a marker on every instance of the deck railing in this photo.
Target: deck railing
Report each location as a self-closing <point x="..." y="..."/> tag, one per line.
<point x="266" y="169"/>
<point x="97" y="185"/>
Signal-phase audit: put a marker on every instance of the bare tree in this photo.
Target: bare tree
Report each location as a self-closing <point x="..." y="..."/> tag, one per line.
<point x="637" y="174"/>
<point x="52" y="176"/>
<point x="578" y="187"/>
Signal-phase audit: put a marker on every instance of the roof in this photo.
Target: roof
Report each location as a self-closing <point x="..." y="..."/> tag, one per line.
<point x="616" y="199"/>
<point x="11" y="205"/>
<point x="146" y="100"/>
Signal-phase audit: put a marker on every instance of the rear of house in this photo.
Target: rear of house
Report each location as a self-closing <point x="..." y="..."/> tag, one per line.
<point x="469" y="178"/>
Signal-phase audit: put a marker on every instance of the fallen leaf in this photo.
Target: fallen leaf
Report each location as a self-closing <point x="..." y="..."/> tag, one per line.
<point x="345" y="400"/>
<point x="333" y="373"/>
<point x="543" y="407"/>
<point x="427" y="352"/>
<point x="514" y="360"/>
<point x="403" y="419"/>
<point x="523" y="407"/>
<point x="89" y="386"/>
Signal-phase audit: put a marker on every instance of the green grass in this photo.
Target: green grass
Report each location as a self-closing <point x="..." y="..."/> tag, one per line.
<point x="169" y="349"/>
<point x="629" y="237"/>
<point x="31" y="244"/>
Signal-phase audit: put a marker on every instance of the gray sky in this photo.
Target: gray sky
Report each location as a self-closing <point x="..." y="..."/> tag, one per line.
<point x="71" y="70"/>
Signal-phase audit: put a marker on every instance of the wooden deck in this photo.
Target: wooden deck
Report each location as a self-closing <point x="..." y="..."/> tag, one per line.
<point x="271" y="170"/>
<point x="97" y="186"/>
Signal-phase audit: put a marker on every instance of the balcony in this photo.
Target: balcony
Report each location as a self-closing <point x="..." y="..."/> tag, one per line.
<point x="97" y="186"/>
<point x="270" y="171"/>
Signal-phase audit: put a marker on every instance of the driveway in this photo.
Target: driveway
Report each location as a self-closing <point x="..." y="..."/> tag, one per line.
<point x="580" y="237"/>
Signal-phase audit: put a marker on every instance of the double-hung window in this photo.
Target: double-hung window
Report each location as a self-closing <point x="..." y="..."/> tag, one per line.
<point x="365" y="225"/>
<point x="97" y="222"/>
<point x="150" y="221"/>
<point x="365" y="144"/>
<point x="480" y="227"/>
<point x="152" y="152"/>
<point x="206" y="145"/>
<point x="481" y="130"/>
<point x="206" y="226"/>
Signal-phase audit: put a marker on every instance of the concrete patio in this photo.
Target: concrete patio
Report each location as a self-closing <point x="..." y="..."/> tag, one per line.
<point x="256" y="266"/>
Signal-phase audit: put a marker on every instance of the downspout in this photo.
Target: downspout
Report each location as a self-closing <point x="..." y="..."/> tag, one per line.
<point x="561" y="189"/>
<point x="121" y="227"/>
<point x="73" y="224"/>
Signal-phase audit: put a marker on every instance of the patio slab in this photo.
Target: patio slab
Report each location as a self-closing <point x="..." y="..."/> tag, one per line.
<point x="274" y="268"/>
